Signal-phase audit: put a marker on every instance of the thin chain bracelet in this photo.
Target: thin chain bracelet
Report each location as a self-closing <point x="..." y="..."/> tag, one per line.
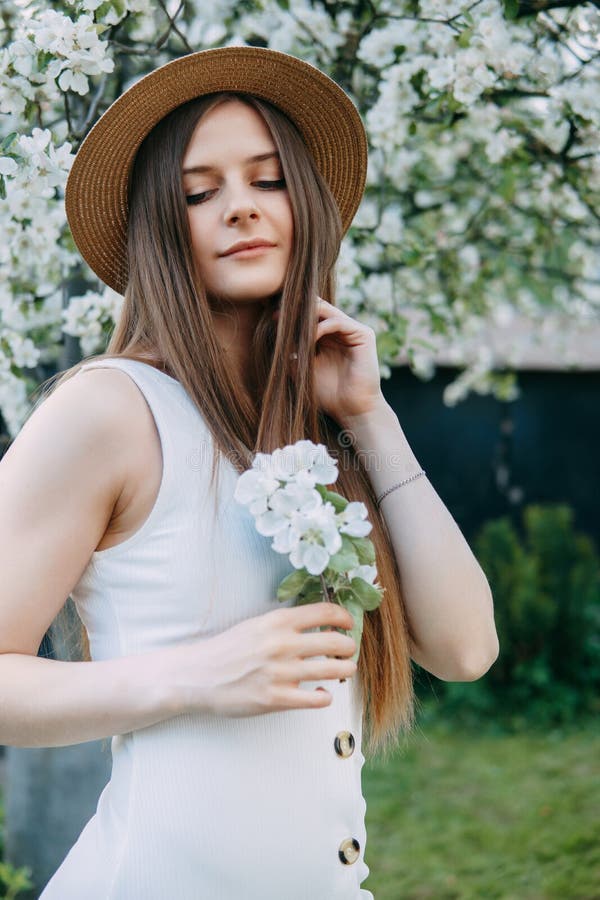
<point x="400" y="483"/>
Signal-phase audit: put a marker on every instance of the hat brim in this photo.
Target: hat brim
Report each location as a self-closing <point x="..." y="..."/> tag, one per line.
<point x="96" y="189"/>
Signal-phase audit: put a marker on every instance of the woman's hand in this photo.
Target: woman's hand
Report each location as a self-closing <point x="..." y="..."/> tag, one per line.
<point x="347" y="379"/>
<point x="346" y="376"/>
<point x="257" y="666"/>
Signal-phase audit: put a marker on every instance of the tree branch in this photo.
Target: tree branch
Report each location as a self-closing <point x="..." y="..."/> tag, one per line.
<point x="68" y="115"/>
<point x="172" y="26"/>
<point x="91" y="113"/>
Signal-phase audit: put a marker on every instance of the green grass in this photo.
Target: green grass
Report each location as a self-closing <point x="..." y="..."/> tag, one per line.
<point x="467" y="815"/>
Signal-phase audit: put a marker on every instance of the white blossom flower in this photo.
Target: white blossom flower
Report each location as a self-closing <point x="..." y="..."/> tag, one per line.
<point x="8" y="166"/>
<point x="503" y="314"/>
<point x="317" y="539"/>
<point x="467" y="89"/>
<point x="379" y="289"/>
<point x="469" y="259"/>
<point x="399" y="167"/>
<point x="22" y="53"/>
<point x="441" y="72"/>
<point x="113" y="13"/>
<point x="353" y="519"/>
<point x="391" y="226"/>
<point x="440" y="9"/>
<point x="289" y="509"/>
<point x="302" y="465"/>
<point x="372" y="319"/>
<point x="77" y="48"/>
<point x="24" y="352"/>
<point x="378" y="46"/>
<point x="581" y="95"/>
<point x="501" y="144"/>
<point x="369" y="254"/>
<point x="367" y="215"/>
<point x="367" y="573"/>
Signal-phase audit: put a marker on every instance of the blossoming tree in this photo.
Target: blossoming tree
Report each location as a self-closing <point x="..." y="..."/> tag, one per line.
<point x="483" y="181"/>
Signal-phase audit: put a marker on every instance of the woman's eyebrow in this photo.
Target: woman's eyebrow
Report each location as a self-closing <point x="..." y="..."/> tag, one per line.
<point x="251" y="159"/>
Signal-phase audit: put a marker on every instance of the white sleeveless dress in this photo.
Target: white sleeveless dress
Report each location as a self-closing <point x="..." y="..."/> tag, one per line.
<point x="199" y="806"/>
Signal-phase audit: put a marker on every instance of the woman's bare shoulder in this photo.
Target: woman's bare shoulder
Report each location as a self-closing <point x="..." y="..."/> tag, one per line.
<point x="99" y="398"/>
<point x="60" y="481"/>
<point x="92" y="415"/>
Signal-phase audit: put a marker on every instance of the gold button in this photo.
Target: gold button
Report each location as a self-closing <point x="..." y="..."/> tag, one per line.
<point x="349" y="851"/>
<point x="344" y="744"/>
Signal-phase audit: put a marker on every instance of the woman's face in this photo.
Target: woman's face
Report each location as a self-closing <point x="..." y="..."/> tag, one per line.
<point x="232" y="197"/>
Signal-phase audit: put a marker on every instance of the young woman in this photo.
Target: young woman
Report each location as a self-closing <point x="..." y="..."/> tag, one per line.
<point x="214" y="194"/>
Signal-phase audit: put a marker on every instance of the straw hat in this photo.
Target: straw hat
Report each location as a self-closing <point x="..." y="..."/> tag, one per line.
<point x="96" y="189"/>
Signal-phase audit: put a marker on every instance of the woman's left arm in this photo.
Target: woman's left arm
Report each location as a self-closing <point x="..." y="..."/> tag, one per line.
<point x="446" y="593"/>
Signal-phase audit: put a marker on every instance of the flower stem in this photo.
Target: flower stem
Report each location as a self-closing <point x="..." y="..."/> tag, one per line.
<point x="328" y="592"/>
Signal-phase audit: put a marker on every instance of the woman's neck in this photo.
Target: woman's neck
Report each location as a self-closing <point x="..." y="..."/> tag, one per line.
<point x="152" y="359"/>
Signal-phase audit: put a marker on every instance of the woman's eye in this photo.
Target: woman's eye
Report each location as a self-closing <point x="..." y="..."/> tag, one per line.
<point x="196" y="198"/>
<point x="192" y="199"/>
<point x="273" y="184"/>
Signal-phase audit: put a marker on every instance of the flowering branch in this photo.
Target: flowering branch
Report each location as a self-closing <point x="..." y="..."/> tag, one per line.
<point x="469" y="107"/>
<point x="323" y="533"/>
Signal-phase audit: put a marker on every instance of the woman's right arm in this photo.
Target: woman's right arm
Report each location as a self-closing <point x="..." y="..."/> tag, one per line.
<point x="59" y="482"/>
<point x="51" y="703"/>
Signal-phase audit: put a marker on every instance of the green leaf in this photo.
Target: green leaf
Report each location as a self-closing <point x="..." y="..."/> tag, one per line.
<point x="2" y="188"/>
<point x="464" y="38"/>
<point x="106" y="7"/>
<point x="365" y="550"/>
<point x="313" y="593"/>
<point x="338" y="502"/>
<point x="44" y="58"/>
<point x="399" y="327"/>
<point x="367" y="594"/>
<point x="387" y="344"/>
<point x="321" y="489"/>
<point x="357" y="613"/>
<point x="7" y="142"/>
<point x="346" y="557"/>
<point x="508" y="185"/>
<point x="511" y="8"/>
<point x="292" y="584"/>
<point x="422" y="343"/>
<point x="30" y="109"/>
<point x="438" y="323"/>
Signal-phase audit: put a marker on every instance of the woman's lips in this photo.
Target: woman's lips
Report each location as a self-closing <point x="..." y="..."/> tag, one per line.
<point x="249" y="251"/>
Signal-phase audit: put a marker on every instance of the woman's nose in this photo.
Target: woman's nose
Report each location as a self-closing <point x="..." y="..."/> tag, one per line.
<point x="241" y="210"/>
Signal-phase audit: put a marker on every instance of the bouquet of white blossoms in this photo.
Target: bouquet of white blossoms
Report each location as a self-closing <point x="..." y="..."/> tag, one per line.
<point x="323" y="533"/>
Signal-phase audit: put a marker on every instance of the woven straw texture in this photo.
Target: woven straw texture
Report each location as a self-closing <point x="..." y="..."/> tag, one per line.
<point x="96" y="189"/>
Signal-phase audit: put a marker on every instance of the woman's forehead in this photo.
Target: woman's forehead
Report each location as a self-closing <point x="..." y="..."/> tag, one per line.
<point x="231" y="131"/>
<point x="231" y="120"/>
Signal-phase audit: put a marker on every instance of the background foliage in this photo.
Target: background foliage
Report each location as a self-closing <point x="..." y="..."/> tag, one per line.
<point x="545" y="580"/>
<point x="483" y="183"/>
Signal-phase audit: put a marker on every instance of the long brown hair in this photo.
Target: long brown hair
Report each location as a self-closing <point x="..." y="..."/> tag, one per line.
<point x="166" y="318"/>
